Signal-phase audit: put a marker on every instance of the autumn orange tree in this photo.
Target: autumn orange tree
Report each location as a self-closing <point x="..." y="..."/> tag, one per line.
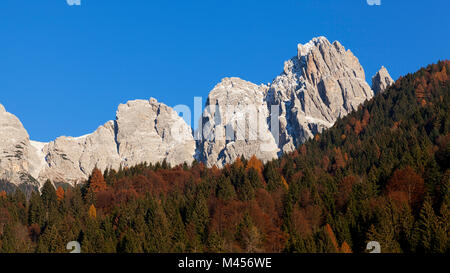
<point x="60" y="193"/>
<point x="97" y="182"/>
<point x="256" y="164"/>
<point x="406" y="185"/>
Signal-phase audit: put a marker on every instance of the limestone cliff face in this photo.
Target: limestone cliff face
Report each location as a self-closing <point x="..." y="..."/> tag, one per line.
<point x="235" y="124"/>
<point x="381" y="80"/>
<point x="320" y="84"/>
<point x="148" y="131"/>
<point x="18" y="158"/>
<point x="72" y="159"/>
<point x="144" y="131"/>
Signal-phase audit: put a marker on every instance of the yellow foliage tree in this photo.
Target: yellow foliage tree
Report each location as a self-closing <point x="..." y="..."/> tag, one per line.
<point x="92" y="211"/>
<point x="285" y="184"/>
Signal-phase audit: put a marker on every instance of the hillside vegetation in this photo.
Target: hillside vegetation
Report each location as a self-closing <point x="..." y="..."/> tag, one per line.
<point x="380" y="174"/>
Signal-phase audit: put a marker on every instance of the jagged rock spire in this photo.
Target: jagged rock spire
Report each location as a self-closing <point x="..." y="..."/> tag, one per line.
<point x="381" y="80"/>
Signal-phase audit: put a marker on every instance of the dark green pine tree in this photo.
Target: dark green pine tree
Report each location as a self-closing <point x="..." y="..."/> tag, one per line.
<point x="197" y="219"/>
<point x="130" y="243"/>
<point x="224" y="189"/>
<point x="178" y="230"/>
<point x="15" y="239"/>
<point x="36" y="210"/>
<point x="48" y="195"/>
<point x="51" y="241"/>
<point x="272" y="177"/>
<point x="424" y="231"/>
<point x="157" y="229"/>
<point x="442" y="239"/>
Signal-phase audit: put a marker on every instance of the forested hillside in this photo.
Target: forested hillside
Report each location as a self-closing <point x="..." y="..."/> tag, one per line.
<point x="380" y="174"/>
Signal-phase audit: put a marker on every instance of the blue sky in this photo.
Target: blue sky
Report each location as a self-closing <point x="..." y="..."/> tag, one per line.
<point x="64" y="69"/>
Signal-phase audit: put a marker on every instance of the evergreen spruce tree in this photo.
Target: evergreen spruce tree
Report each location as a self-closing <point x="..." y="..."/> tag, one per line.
<point x="425" y="228"/>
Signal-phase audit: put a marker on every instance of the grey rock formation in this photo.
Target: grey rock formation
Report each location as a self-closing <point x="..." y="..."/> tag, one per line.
<point x="235" y="124"/>
<point x="381" y="80"/>
<point x="148" y="131"/>
<point x="321" y="83"/>
<point x="144" y="131"/>
<point x="72" y="159"/>
<point x="18" y="158"/>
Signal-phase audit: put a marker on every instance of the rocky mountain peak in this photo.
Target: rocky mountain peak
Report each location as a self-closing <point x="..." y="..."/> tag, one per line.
<point x="305" y="49"/>
<point x="322" y="83"/>
<point x="381" y="80"/>
<point x="153" y="100"/>
<point x="144" y="131"/>
<point x="234" y="124"/>
<point x="149" y="131"/>
<point x="18" y="158"/>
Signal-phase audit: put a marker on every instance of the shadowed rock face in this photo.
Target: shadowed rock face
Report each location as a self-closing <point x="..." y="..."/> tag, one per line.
<point x="381" y="80"/>
<point x="323" y="82"/>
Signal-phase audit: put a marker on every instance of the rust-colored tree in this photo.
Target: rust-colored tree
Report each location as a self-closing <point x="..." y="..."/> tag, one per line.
<point x="345" y="248"/>
<point x="97" y="182"/>
<point x="303" y="150"/>
<point x="256" y="164"/>
<point x="358" y="127"/>
<point x="344" y="190"/>
<point x="339" y="160"/>
<point x="238" y="163"/>
<point x="300" y="223"/>
<point x="317" y="137"/>
<point x="406" y="185"/>
<point x="330" y="233"/>
<point x="366" y="118"/>
<point x="60" y="193"/>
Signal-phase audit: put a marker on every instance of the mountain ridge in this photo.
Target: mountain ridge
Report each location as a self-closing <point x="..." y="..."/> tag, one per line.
<point x="379" y="174"/>
<point x="322" y="83"/>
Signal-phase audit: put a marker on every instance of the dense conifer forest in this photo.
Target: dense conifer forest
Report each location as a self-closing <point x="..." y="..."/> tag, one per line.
<point x="379" y="174"/>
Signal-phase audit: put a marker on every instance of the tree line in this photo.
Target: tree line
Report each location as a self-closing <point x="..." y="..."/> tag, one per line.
<point x="379" y="174"/>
